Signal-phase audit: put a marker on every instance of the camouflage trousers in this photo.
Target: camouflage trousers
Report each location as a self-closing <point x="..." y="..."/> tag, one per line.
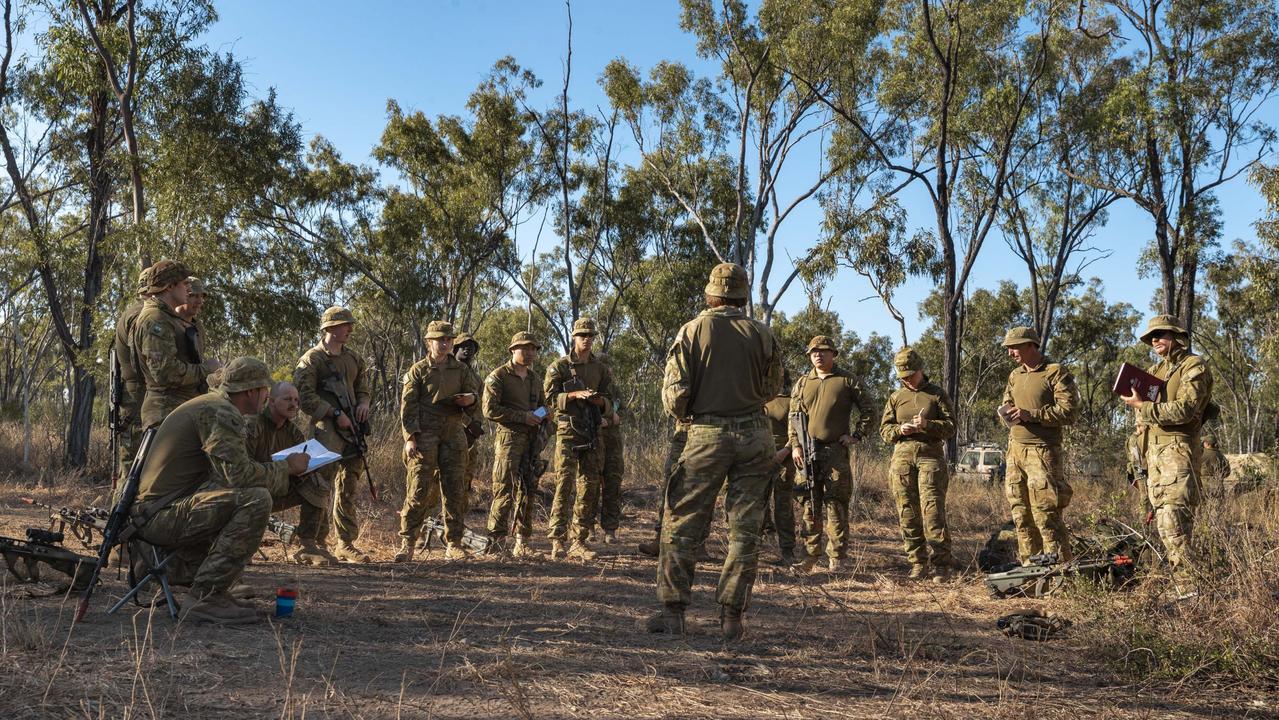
<point x="781" y="505"/>
<point x="737" y="449"/>
<point x="216" y="527"/>
<point x="836" y="490"/>
<point x="1174" y="490"/>
<point x="611" y="489"/>
<point x="919" y="478"/>
<point x="131" y="430"/>
<point x="509" y="494"/>
<point x="344" y="479"/>
<point x="578" y="477"/>
<point x="470" y="465"/>
<point x="1037" y="493"/>
<point x="313" y="512"/>
<point x="437" y="475"/>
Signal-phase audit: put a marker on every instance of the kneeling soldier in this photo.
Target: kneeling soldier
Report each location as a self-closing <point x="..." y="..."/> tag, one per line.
<point x="202" y="496"/>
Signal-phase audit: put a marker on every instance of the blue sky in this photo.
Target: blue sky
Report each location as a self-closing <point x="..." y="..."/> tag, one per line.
<point x="336" y="65"/>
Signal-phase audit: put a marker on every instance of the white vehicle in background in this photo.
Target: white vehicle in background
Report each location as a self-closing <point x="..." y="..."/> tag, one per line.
<point x="981" y="461"/>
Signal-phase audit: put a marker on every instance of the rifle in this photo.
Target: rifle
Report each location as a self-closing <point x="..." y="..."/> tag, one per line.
<point x="1045" y="575"/>
<point x="532" y="466"/>
<point x="358" y="434"/>
<point x="114" y="532"/>
<point x="435" y="530"/>
<point x="810" y="474"/>
<point x="42" y="547"/>
<point x="115" y="425"/>
<point x="83" y="523"/>
<point x="283" y="530"/>
<point x="594" y="416"/>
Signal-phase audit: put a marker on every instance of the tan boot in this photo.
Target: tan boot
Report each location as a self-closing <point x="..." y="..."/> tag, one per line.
<point x="242" y="594"/>
<point x="311" y="554"/>
<point x="940" y="574"/>
<point x="581" y="551"/>
<point x="610" y="537"/>
<point x="521" y="549"/>
<point x="405" y="553"/>
<point x="731" y="628"/>
<point x="806" y="564"/>
<point x="456" y="552"/>
<point x="348" y="553"/>
<point x="217" y="608"/>
<point x="669" y="621"/>
<point x="917" y="571"/>
<point x="835" y="564"/>
<point x="557" y="549"/>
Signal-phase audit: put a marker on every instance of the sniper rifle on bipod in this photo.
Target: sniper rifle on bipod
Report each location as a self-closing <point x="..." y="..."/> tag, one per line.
<point x="43" y="548"/>
<point x="82" y="523"/>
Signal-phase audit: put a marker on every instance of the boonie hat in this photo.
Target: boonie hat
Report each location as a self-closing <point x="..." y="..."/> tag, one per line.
<point x="336" y="315"/>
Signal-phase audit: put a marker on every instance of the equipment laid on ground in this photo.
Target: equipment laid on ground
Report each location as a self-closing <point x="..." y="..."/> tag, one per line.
<point x="435" y="533"/>
<point x="43" y="549"/>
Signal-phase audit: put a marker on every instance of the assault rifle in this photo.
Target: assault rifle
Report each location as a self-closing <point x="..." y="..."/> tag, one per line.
<point x="532" y="466"/>
<point x="435" y="531"/>
<point x="1045" y="575"/>
<point x="115" y="425"/>
<point x="43" y="548"/>
<point x="358" y="434"/>
<point x="114" y="532"/>
<point x="594" y="416"/>
<point x="810" y="475"/>
<point x="82" y="523"/>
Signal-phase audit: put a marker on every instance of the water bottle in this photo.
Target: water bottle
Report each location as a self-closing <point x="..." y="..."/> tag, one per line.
<point x="285" y="600"/>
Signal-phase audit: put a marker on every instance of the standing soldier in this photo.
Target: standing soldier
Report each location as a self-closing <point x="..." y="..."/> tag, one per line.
<point x="828" y="394"/>
<point x="515" y="403"/>
<point x="918" y="419"/>
<point x="1039" y="401"/>
<point x="271" y="431"/>
<point x="720" y="371"/>
<point x="465" y="348"/>
<point x="328" y="377"/>
<point x="131" y="378"/>
<point x="614" y="469"/>
<point x="170" y="365"/>
<point x="1173" y="448"/>
<point x="580" y="389"/>
<point x="781" y="487"/>
<point x="1216" y="468"/>
<point x="437" y="391"/>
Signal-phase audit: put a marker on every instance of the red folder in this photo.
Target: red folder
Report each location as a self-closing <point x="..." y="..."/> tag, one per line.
<point x="1131" y="376"/>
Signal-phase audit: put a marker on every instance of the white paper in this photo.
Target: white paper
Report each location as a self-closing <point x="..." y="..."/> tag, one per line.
<point x="320" y="455"/>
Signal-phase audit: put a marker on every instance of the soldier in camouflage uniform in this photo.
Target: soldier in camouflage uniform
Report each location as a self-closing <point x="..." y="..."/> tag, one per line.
<point x="1039" y="400"/>
<point x="190" y="312"/>
<point x="828" y="394"/>
<point x="203" y="497"/>
<point x="720" y="371"/>
<point x="918" y="419"/>
<point x="465" y="348"/>
<point x="579" y="388"/>
<point x="781" y="490"/>
<point x="610" y="512"/>
<point x="271" y="431"/>
<point x="131" y="378"/>
<point x="434" y="398"/>
<point x="512" y="400"/>
<point x="170" y="365"/>
<point x="324" y="372"/>
<point x="1173" y="446"/>
<point x="1216" y="468"/>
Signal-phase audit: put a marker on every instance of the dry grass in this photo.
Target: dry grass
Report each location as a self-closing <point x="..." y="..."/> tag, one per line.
<point x="496" y="638"/>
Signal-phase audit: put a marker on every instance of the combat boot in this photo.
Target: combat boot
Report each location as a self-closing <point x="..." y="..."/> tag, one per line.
<point x="581" y="551"/>
<point x="807" y="564"/>
<point x="216" y="608"/>
<point x="610" y="537"/>
<point x="557" y="549"/>
<point x="405" y="553"/>
<point x="835" y="564"/>
<point x="669" y="621"/>
<point x="940" y="573"/>
<point x="311" y="554"/>
<point x="348" y="553"/>
<point x="649" y="548"/>
<point x="731" y="628"/>
<point x="917" y="571"/>
<point x="521" y="549"/>
<point x="456" y="552"/>
<point x="242" y="594"/>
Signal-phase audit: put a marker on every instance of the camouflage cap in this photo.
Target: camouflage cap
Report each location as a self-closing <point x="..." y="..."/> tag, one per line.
<point x="165" y="274"/>
<point x="438" y="329"/>
<point x="465" y="338"/>
<point x="1160" y="323"/>
<point x="906" y="362"/>
<point x="821" y="342"/>
<point x="336" y="315"/>
<point x="197" y="286"/>
<point x="1210" y="439"/>
<point x="524" y="338"/>
<point x="244" y="373"/>
<point x="1019" y="335"/>
<point x="729" y="280"/>
<point x="146" y="279"/>
<point x="585" y="326"/>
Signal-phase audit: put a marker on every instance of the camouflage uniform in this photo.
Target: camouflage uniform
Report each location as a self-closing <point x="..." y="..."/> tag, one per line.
<point x="1173" y="448"/>
<point x="474" y="425"/>
<point x="578" y="465"/>
<point x="171" y="369"/>
<point x="132" y="383"/>
<point x="316" y="366"/>
<point x="614" y="442"/>
<point x="194" y="331"/>
<point x="829" y="402"/>
<point x="429" y="415"/>
<point x="508" y="398"/>
<point x="309" y="493"/>
<point x="918" y="474"/>
<point x="1035" y="482"/>
<point x="781" y="486"/>
<point x="1216" y="468"/>
<point x="201" y="494"/>
<point x="721" y="369"/>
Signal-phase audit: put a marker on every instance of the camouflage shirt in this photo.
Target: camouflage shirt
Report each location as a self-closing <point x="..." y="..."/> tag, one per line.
<point x="426" y="394"/>
<point x="1049" y="394"/>
<point x="130" y="363"/>
<point x="829" y="402"/>
<point x="778" y="412"/>
<point x="1186" y="392"/>
<point x="562" y="377"/>
<point x="167" y="359"/>
<point x="722" y="363"/>
<point x="200" y="442"/>
<point x="929" y="401"/>
<point x="509" y="397"/>
<point x="262" y="437"/>
<point x="315" y="392"/>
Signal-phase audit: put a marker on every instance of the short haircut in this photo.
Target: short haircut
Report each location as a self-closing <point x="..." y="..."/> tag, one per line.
<point x="278" y="388"/>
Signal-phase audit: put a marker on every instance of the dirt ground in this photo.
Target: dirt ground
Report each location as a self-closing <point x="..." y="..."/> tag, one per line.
<point x="494" y="638"/>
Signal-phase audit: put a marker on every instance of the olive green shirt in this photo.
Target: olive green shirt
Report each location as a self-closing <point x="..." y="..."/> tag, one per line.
<point x="426" y="395"/>
<point x="1215" y="464"/>
<point x="778" y="412"/>
<point x="509" y="397"/>
<point x="929" y="401"/>
<point x="200" y="442"/>
<point x="1049" y="394"/>
<point x="829" y="403"/>
<point x="262" y="437"/>
<point x="1186" y="392"/>
<point x="722" y="363"/>
<point x="593" y="374"/>
<point x="311" y="378"/>
<point x="167" y="360"/>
